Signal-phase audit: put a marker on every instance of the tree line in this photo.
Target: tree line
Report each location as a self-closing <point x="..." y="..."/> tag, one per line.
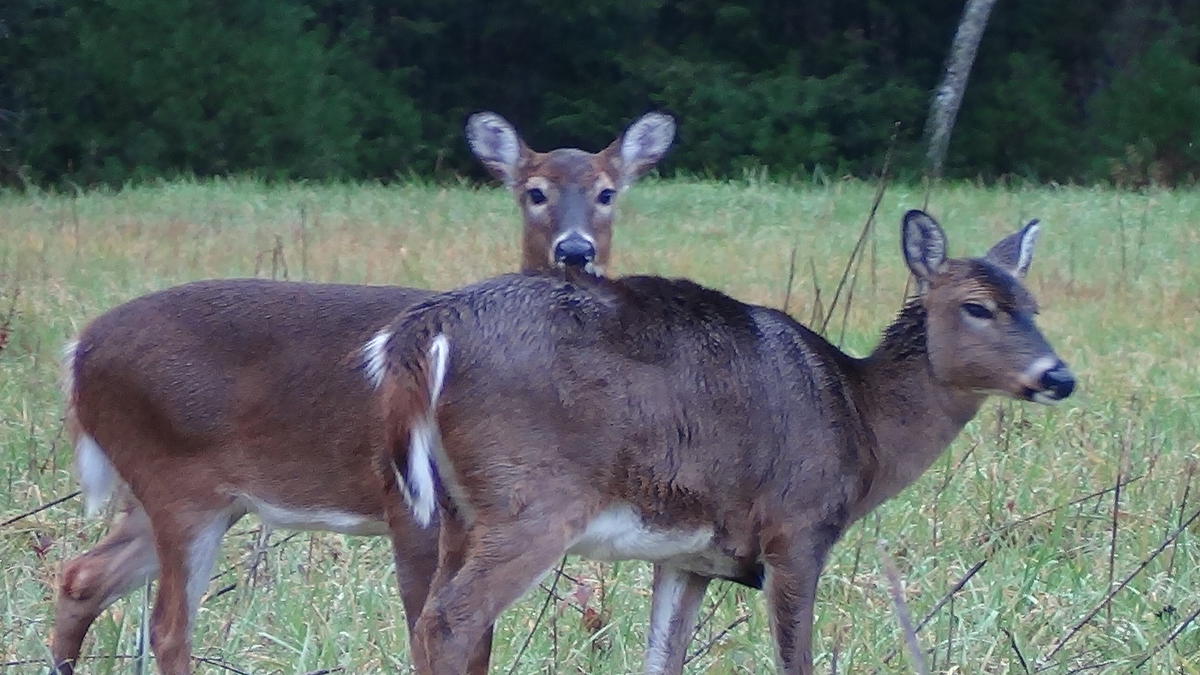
<point x="113" y="91"/>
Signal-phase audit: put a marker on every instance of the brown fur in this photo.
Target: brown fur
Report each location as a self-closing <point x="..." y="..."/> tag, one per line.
<point x="564" y="400"/>
<point x="205" y="392"/>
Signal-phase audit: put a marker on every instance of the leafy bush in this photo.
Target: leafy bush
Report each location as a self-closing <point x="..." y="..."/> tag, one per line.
<point x="1148" y="120"/>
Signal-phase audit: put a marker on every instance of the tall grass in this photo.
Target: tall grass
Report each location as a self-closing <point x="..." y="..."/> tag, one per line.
<point x="1116" y="274"/>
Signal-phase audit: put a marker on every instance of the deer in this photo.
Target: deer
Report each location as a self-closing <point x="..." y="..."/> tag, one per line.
<point x="644" y="418"/>
<point x="211" y="400"/>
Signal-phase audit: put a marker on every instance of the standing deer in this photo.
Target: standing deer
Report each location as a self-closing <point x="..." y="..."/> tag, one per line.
<point x="216" y="399"/>
<point x="657" y="420"/>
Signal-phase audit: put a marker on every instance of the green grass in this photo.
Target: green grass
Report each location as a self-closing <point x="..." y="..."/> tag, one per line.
<point x="1116" y="274"/>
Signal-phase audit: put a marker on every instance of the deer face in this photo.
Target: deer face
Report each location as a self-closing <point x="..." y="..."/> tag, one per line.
<point x="567" y="196"/>
<point x="980" y="330"/>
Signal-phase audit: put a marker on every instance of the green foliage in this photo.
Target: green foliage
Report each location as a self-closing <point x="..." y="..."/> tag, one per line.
<point x="1022" y="124"/>
<point x="108" y="91"/>
<point x="1148" y="120"/>
<point x="121" y="89"/>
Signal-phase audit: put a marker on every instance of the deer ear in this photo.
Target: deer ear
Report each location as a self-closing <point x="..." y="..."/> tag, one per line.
<point x="642" y="145"/>
<point x="496" y="143"/>
<point x="1015" y="252"/>
<point x="924" y="245"/>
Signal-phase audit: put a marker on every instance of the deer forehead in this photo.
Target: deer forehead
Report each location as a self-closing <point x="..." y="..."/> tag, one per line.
<point x="572" y="167"/>
<point x="977" y="280"/>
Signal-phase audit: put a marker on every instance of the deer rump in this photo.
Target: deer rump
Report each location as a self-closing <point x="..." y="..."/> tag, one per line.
<point x="669" y="409"/>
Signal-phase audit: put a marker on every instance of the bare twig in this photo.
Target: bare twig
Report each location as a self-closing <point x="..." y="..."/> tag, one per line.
<point x="1170" y="638"/>
<point x="743" y="618"/>
<point x="787" y="295"/>
<point x="39" y="509"/>
<point x="220" y="664"/>
<point x="817" y="309"/>
<point x="712" y="611"/>
<point x="6" y="322"/>
<point x="1125" y="582"/>
<point x="1078" y="500"/>
<point x="1187" y="488"/>
<point x="1012" y="642"/>
<point x="942" y="603"/>
<point x="542" y="613"/>
<point x="884" y="175"/>
<point x="951" y="593"/>
<point x="1122" y="468"/>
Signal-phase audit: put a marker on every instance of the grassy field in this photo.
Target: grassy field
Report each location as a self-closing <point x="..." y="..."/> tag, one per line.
<point x="1117" y="275"/>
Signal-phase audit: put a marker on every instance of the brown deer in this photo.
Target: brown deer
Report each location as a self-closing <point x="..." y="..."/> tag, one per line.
<point x="216" y="399"/>
<point x="653" y="419"/>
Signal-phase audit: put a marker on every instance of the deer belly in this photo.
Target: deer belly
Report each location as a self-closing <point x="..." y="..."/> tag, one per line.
<point x="288" y="517"/>
<point x="619" y="533"/>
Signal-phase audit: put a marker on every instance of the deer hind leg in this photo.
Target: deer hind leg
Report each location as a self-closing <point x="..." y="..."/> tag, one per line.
<point x="425" y="561"/>
<point x="187" y="543"/>
<point x="674" y="605"/>
<point x="499" y="563"/>
<point x="451" y="552"/>
<point x="122" y="561"/>
<point x="415" y="552"/>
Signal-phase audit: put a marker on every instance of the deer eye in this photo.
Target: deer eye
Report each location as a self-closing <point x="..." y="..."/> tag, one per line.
<point x="606" y="196"/>
<point x="536" y="196"/>
<point x="978" y="311"/>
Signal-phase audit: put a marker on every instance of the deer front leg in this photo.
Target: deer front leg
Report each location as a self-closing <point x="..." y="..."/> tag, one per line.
<point x="793" y="566"/>
<point x="674" y="605"/>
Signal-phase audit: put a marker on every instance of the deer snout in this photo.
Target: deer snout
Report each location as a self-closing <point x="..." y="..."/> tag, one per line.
<point x="574" y="250"/>
<point x="1056" y="384"/>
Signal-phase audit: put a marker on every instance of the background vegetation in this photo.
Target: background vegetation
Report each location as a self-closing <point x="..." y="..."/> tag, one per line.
<point x="1026" y="490"/>
<point x="108" y="91"/>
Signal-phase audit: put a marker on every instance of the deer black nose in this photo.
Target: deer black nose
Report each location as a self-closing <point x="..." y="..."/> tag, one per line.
<point x="1059" y="382"/>
<point x="575" y="251"/>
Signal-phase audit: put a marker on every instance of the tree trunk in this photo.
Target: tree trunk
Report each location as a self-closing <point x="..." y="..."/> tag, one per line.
<point x="947" y="98"/>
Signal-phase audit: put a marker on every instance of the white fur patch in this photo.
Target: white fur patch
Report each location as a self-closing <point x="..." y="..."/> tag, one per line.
<point x="644" y="143"/>
<point x="572" y="233"/>
<point x="619" y="533"/>
<point x="202" y="553"/>
<point x="68" y="368"/>
<point x="97" y="476"/>
<point x="330" y="520"/>
<point x="425" y="441"/>
<point x="495" y="142"/>
<point x="1045" y="399"/>
<point x="418" y="491"/>
<point x="1028" y="241"/>
<point x="374" y="355"/>
<point x="1032" y="377"/>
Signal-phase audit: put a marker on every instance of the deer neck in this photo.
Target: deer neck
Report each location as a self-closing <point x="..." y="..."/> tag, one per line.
<point x="912" y="416"/>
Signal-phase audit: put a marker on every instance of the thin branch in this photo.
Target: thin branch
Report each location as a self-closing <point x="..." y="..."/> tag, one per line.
<point x="1170" y="638"/>
<point x="1078" y="500"/>
<point x="942" y="603"/>
<point x="39" y="509"/>
<point x="1012" y="642"/>
<point x="542" y="613"/>
<point x="1125" y="582"/>
<point x="884" y="175"/>
<point x="716" y="638"/>
<point x="787" y="296"/>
